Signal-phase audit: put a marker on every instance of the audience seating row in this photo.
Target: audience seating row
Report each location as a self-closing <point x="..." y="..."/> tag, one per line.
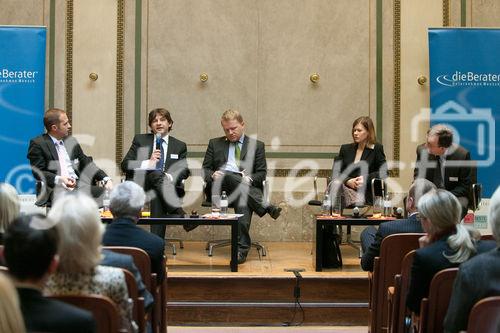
<point x="389" y="285"/>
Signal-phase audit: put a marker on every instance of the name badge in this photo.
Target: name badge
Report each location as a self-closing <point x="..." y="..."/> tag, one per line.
<point x="174" y="156"/>
<point x="453" y="179"/>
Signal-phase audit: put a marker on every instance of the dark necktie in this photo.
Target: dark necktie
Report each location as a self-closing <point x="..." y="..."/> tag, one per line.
<point x="438" y="177"/>
<point x="161" y="162"/>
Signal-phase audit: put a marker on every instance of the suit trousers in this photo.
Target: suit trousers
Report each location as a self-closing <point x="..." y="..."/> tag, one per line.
<point x="249" y="200"/>
<point x="166" y="202"/>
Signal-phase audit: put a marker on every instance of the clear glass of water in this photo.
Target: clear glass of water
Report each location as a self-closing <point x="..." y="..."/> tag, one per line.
<point x="378" y="206"/>
<point x="215" y="205"/>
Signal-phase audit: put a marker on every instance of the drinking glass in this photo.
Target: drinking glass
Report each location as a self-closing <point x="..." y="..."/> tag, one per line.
<point x="215" y="205"/>
<point x="378" y="206"/>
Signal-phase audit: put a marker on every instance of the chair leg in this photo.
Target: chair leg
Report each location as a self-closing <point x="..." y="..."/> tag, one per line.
<point x="181" y="243"/>
<point x="217" y="243"/>
<point x="174" y="249"/>
<point x="260" y="248"/>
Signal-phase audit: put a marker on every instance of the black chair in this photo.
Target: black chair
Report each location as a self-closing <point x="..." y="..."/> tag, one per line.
<point x="211" y="245"/>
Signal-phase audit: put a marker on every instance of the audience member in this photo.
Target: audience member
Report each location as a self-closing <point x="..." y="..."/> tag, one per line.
<point x="359" y="162"/>
<point x="57" y="160"/>
<point x="446" y="164"/>
<point x="78" y="222"/>
<point x="236" y="163"/>
<point x="126" y="203"/>
<point x="11" y="319"/>
<point x="9" y="207"/>
<point x="162" y="160"/>
<point x="31" y="244"/>
<point x="447" y="243"/>
<point x="371" y="239"/>
<point x="477" y="278"/>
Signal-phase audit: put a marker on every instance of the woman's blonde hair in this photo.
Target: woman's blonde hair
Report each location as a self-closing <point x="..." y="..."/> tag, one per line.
<point x="80" y="230"/>
<point x="11" y="319"/>
<point x="9" y="205"/>
<point x="443" y="210"/>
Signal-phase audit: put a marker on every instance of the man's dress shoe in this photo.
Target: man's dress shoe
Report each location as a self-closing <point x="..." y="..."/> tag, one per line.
<point x="241" y="258"/>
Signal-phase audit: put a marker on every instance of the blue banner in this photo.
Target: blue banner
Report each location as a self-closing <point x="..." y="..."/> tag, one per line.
<point x="22" y="103"/>
<point x="465" y="93"/>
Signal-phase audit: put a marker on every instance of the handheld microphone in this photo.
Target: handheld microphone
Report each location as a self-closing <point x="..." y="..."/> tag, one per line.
<point x="158" y="140"/>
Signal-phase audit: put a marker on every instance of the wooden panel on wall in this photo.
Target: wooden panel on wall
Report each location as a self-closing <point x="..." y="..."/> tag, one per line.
<point x="190" y="37"/>
<point x="94" y="102"/>
<point x="301" y="37"/>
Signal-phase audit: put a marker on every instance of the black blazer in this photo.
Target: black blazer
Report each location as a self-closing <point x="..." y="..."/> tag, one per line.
<point x="427" y="262"/>
<point x="477" y="278"/>
<point x="42" y="314"/>
<point x="253" y="158"/>
<point x="124" y="232"/>
<point x="457" y="179"/>
<point x="43" y="158"/>
<point x="409" y="225"/>
<point x="141" y="149"/>
<point x="373" y="157"/>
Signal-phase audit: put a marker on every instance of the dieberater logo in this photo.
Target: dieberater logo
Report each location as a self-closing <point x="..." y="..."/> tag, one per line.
<point x="469" y="78"/>
<point x="17" y="76"/>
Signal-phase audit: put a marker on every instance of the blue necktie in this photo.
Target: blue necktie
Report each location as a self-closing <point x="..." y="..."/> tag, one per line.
<point x="159" y="164"/>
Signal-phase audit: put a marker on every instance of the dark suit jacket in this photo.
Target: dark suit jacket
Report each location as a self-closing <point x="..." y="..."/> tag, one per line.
<point x="457" y="179"/>
<point x="141" y="149"/>
<point x="477" y="278"/>
<point x="427" y="262"/>
<point x="124" y="261"/>
<point x="373" y="157"/>
<point x="124" y="232"/>
<point x="43" y="314"/>
<point x="385" y="229"/>
<point x="43" y="158"/>
<point x="253" y="159"/>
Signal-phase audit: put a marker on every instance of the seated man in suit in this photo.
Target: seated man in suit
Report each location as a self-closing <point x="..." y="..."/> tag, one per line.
<point x="31" y="244"/>
<point x="446" y="164"/>
<point x="127" y="200"/>
<point x="477" y="278"/>
<point x="58" y="161"/>
<point x="236" y="163"/>
<point x="371" y="238"/>
<point x="157" y="161"/>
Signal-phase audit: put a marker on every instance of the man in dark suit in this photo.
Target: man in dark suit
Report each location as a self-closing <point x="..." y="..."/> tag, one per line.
<point x="157" y="161"/>
<point x="236" y="163"/>
<point x="477" y="278"/>
<point x="58" y="161"/>
<point x="447" y="165"/>
<point x="125" y="204"/>
<point x="30" y="251"/>
<point x="371" y="238"/>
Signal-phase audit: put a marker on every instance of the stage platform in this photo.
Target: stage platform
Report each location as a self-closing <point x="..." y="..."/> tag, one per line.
<point x="203" y="291"/>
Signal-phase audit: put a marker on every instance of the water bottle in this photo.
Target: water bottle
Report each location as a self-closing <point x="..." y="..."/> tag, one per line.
<point x="387" y="205"/>
<point x="223" y="203"/>
<point x="105" y="201"/>
<point x="326" y="206"/>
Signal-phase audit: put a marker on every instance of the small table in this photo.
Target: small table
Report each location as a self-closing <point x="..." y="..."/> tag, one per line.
<point x="229" y="221"/>
<point x="323" y="221"/>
